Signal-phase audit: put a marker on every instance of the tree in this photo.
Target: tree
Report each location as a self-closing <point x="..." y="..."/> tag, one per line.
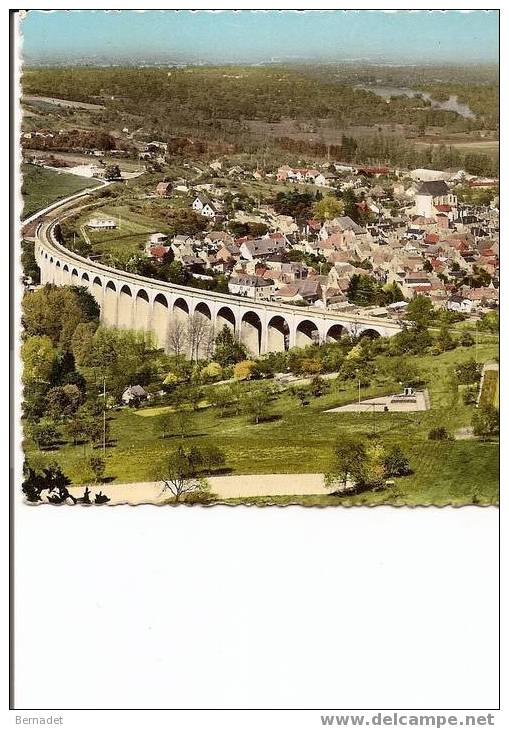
<point x="466" y="340"/>
<point x="444" y="340"/>
<point x="213" y="458"/>
<point x="182" y="422"/>
<point x="56" y="311"/>
<point x="420" y="311"/>
<point x="199" y="336"/>
<point x="363" y="290"/>
<point x="348" y="462"/>
<point x="490" y="322"/>
<point x="82" y="342"/>
<point x="97" y="430"/>
<point x="112" y="172"/>
<point x="318" y="386"/>
<point x="31" y="271"/>
<point x="302" y="396"/>
<point x="194" y="396"/>
<point x="44" y="433"/>
<point x="373" y="472"/>
<point x="411" y="341"/>
<point x="124" y="357"/>
<point x="220" y="398"/>
<point x="327" y="208"/>
<point x="228" y="350"/>
<point x="256" y="403"/>
<point x="396" y="462"/>
<point x="177" y="337"/>
<point x="63" y="401"/>
<point x="39" y="357"/>
<point x="77" y="428"/>
<point x="97" y="466"/>
<point x="165" y="424"/>
<point x="405" y="371"/>
<point x="212" y="371"/>
<point x="181" y="475"/>
<point x="468" y="372"/>
<point x="485" y="421"/>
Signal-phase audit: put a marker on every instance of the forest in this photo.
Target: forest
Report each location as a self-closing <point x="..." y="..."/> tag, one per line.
<point x="194" y="97"/>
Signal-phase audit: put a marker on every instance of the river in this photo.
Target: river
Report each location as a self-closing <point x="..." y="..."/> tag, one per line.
<point x="451" y="104"/>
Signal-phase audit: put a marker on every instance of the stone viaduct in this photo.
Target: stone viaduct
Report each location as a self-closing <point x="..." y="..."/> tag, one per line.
<point x="135" y="302"/>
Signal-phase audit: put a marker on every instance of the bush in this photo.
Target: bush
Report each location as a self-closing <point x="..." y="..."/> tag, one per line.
<point x="439" y="433"/>
<point x="486" y="421"/>
<point x="212" y="371"/>
<point x="470" y="395"/>
<point x="44" y="433"/>
<point x="244" y="369"/>
<point x="319" y="386"/>
<point x="468" y="372"/>
<point x="396" y="463"/>
<point x="467" y="340"/>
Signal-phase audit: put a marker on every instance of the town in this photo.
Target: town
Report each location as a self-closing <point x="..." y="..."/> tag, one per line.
<point x="331" y="306"/>
<point x="336" y="236"/>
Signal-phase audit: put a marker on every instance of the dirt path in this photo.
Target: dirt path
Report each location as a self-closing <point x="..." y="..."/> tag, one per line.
<point x="225" y="487"/>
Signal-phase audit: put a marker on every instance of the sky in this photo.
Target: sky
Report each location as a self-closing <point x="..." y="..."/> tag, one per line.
<point x="261" y="36"/>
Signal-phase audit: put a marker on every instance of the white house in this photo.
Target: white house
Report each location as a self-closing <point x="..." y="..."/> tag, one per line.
<point x="102" y="223"/>
<point x="461" y="304"/>
<point x="204" y="206"/>
<point x="134" y="393"/>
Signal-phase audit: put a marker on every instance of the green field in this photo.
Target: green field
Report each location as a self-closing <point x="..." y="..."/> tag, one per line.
<point x="128" y="238"/>
<point x="299" y="440"/>
<point x="41" y="187"/>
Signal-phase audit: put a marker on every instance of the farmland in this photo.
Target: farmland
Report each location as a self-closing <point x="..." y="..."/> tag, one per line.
<point x="41" y="187"/>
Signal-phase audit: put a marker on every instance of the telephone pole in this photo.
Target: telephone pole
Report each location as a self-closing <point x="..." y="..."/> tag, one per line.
<point x="104" y="417"/>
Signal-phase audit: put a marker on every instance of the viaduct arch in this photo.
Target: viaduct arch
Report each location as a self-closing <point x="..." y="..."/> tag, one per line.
<point x="134" y="302"/>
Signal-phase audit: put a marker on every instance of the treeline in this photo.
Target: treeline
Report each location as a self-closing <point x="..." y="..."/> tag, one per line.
<point x="394" y="151"/>
<point x="72" y="139"/>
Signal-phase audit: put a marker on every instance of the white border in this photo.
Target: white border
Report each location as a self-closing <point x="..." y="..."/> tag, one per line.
<point x="319" y="609"/>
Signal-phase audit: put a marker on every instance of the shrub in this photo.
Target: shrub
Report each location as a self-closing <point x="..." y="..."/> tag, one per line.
<point x="44" y="433"/>
<point x="486" y="421"/>
<point x="319" y="386"/>
<point x="468" y="372"/>
<point x="470" y="395"/>
<point x="244" y="369"/>
<point x="467" y="340"/>
<point x="212" y="371"/>
<point x="439" y="433"/>
<point x="396" y="462"/>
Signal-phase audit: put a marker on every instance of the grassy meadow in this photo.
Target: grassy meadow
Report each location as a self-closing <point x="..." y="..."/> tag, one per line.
<point x="42" y="187"/>
<point x="297" y="439"/>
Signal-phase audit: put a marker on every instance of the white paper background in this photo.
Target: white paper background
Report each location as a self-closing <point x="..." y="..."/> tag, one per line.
<point x="250" y="608"/>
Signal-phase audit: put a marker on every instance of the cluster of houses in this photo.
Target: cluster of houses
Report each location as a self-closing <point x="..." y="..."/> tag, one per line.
<point x="414" y="233"/>
<point x="417" y="236"/>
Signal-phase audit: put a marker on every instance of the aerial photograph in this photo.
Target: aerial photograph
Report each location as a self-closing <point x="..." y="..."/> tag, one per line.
<point x="259" y="256"/>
